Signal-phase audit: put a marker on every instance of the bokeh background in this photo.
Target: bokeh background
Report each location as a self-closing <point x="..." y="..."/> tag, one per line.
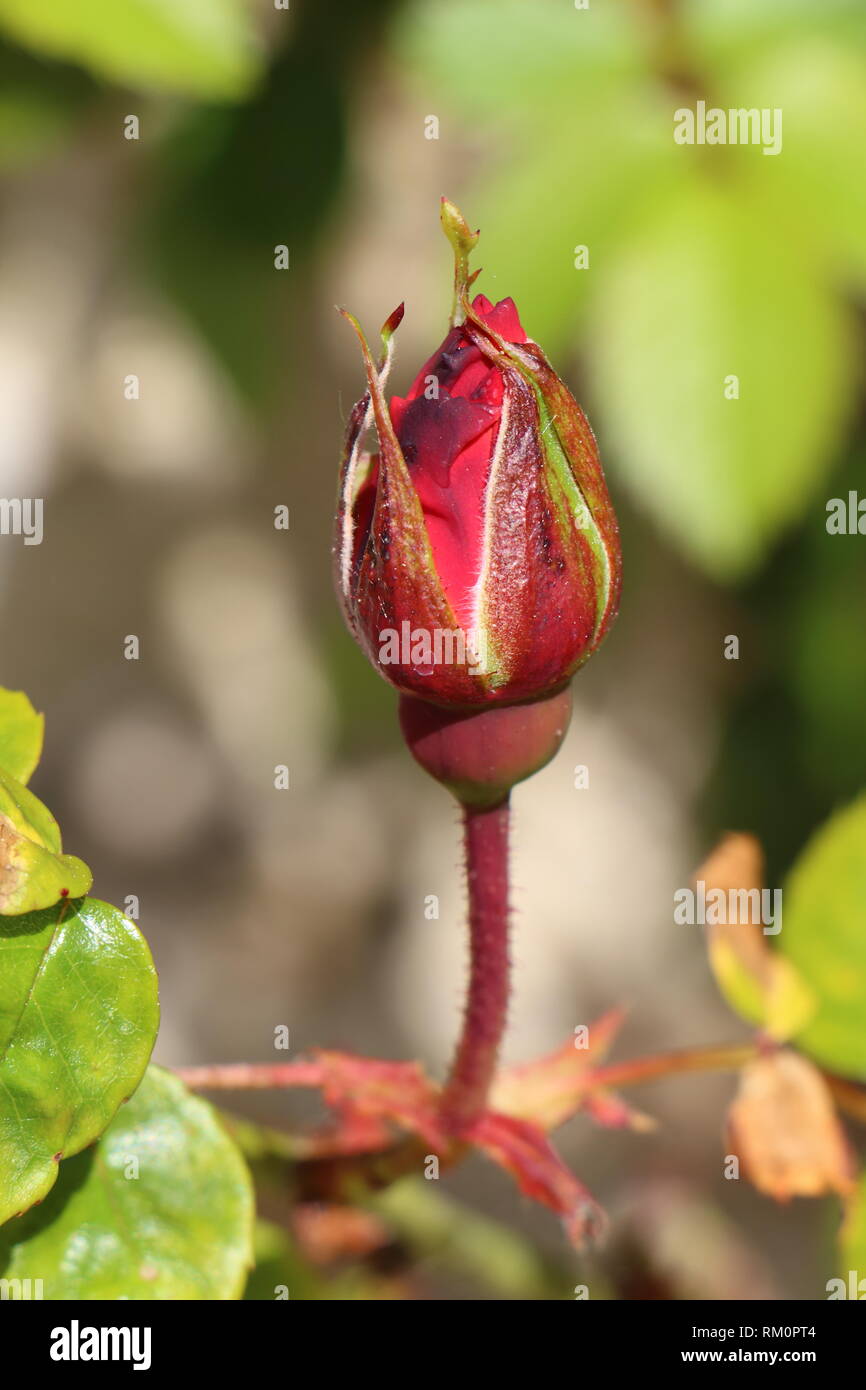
<point x="308" y="127"/>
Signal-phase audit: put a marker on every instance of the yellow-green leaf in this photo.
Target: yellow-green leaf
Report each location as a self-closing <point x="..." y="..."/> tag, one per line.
<point x="21" y="734"/>
<point x="824" y="934"/>
<point x="756" y="980"/>
<point x="34" y="873"/>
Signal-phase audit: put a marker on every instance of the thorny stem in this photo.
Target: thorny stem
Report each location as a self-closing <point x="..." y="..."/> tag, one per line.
<point x="474" y="1067"/>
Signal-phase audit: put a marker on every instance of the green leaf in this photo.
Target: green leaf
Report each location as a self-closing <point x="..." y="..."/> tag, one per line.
<point x="28" y="814"/>
<point x="728" y="32"/>
<point x="811" y="67"/>
<point x="707" y="290"/>
<point x="779" y="1000"/>
<point x="852" y="1242"/>
<point x="556" y="196"/>
<point x="817" y="180"/>
<point x="202" y="47"/>
<point x="823" y="935"/>
<point x="162" y="1208"/>
<point x="545" y="48"/>
<point x="583" y="133"/>
<point x="78" y="1019"/>
<point x="34" y="873"/>
<point x="21" y="734"/>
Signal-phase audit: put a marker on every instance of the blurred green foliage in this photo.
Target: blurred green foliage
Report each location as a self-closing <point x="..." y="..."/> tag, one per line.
<point x="40" y="106"/>
<point x="823" y="935"/>
<point x="241" y="182"/>
<point x="699" y="268"/>
<point x="702" y="264"/>
<point x="794" y="745"/>
<point x="852" y="1255"/>
<point x="201" y="48"/>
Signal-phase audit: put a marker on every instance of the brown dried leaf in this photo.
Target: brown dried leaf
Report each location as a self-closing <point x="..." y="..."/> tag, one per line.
<point x="757" y="981"/>
<point x="784" y="1129"/>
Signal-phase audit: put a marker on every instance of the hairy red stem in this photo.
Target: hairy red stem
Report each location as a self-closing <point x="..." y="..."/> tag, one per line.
<point x="486" y="839"/>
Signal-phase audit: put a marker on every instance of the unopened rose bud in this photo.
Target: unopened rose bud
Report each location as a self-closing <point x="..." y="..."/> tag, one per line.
<point x="477" y="551"/>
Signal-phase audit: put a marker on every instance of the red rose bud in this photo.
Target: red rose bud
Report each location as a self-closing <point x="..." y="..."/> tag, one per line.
<point x="477" y="552"/>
